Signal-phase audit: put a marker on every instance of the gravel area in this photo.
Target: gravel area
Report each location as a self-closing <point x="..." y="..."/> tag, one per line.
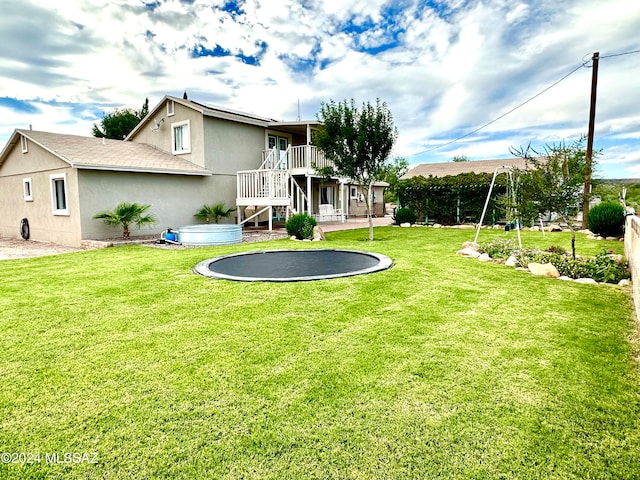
<point x="11" y="248"/>
<point x="18" y="248"/>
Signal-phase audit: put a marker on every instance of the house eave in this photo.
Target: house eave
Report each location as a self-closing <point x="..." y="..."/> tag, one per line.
<point x="111" y="168"/>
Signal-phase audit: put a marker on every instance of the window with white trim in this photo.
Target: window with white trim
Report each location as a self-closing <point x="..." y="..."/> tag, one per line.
<point x="171" y="108"/>
<point x="23" y="144"/>
<point x="59" y="194"/>
<point x="26" y="188"/>
<point x="354" y="192"/>
<point x="180" y="138"/>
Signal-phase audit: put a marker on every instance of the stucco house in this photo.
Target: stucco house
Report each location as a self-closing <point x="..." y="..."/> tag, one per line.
<point x="182" y="155"/>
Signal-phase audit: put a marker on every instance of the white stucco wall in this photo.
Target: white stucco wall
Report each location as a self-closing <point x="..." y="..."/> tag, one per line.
<point x="632" y="252"/>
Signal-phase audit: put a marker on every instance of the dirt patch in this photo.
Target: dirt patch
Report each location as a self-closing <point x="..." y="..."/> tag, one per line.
<point x="18" y="248"/>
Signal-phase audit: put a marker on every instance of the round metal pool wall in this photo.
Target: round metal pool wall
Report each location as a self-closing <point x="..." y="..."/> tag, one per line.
<point x="210" y="234"/>
<point x="292" y="265"/>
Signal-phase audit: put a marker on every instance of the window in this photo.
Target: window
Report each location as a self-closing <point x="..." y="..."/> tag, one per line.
<point x="180" y="140"/>
<point x="23" y="143"/>
<point x="354" y="192"/>
<point x="171" y="108"/>
<point x="26" y="187"/>
<point x="59" y="193"/>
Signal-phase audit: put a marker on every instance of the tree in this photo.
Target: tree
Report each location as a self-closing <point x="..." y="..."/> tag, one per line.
<point x="357" y="141"/>
<point x="214" y="212"/>
<point x="392" y="172"/>
<point x="554" y="182"/>
<point x="460" y="158"/>
<point x="118" y="123"/>
<point x="126" y="214"/>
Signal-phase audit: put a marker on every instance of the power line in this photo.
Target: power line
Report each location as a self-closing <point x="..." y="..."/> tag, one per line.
<point x="503" y="115"/>
<point x="582" y="65"/>
<point x="619" y="54"/>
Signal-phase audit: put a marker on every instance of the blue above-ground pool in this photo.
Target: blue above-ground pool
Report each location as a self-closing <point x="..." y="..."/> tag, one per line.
<point x="207" y="234"/>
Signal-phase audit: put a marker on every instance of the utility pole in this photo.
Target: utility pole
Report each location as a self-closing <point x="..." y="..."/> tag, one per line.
<point x="589" y="154"/>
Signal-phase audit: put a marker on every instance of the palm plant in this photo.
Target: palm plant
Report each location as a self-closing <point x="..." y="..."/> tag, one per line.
<point x="214" y="213"/>
<point x="126" y="214"/>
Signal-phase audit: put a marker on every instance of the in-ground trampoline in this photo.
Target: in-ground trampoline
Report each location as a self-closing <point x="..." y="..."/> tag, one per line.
<point x="292" y="265"/>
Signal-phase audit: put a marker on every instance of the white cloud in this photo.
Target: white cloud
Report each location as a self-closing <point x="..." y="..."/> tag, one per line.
<point x="451" y="69"/>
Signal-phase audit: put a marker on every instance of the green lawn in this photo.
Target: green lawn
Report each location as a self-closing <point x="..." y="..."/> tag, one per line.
<point x="441" y="367"/>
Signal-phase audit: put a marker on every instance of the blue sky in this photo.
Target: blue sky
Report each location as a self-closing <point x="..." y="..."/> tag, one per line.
<point x="445" y="67"/>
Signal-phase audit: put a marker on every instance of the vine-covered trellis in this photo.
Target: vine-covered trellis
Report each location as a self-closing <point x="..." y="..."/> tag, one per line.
<point x="453" y="199"/>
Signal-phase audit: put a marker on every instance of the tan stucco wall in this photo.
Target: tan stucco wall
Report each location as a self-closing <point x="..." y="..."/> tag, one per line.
<point x="231" y="147"/>
<point x="173" y="198"/>
<point x="360" y="207"/>
<point x="354" y="207"/>
<point x="161" y="138"/>
<point x="37" y="164"/>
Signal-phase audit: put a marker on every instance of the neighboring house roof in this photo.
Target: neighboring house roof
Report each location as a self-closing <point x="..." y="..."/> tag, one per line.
<point x="218" y="112"/>
<point x="456" y="168"/>
<point x="90" y="153"/>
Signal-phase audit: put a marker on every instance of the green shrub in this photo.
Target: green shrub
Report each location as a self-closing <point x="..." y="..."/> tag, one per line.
<point x="499" y="248"/>
<point x="602" y="267"/>
<point x="301" y="226"/>
<point x="606" y="219"/>
<point x="404" y="215"/>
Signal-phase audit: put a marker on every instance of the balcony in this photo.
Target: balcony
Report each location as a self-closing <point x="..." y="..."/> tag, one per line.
<point x="299" y="160"/>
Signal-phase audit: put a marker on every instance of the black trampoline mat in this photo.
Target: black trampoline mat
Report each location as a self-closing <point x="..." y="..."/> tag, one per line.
<point x="292" y="265"/>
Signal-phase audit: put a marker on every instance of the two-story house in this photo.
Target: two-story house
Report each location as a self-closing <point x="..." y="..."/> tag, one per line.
<point x="182" y="155"/>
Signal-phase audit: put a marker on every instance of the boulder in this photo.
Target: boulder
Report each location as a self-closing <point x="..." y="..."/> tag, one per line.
<point x="625" y="282"/>
<point x="437" y="225"/>
<point x="293" y="237"/>
<point x="511" y="261"/>
<point x="565" y="278"/>
<point x="484" y="257"/>
<point x="318" y="234"/>
<point x="468" y="252"/>
<point x="473" y="245"/>
<point x="554" y="227"/>
<point x="405" y="225"/>
<point x="612" y="238"/>
<point x="588" y="281"/>
<point x="544" y="270"/>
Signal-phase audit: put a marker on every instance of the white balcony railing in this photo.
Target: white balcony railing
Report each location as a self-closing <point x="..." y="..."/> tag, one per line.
<point x="271" y="184"/>
<point x="301" y="157"/>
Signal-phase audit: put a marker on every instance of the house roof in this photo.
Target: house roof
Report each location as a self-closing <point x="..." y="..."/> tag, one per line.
<point x="456" y="168"/>
<point x="222" y="113"/>
<point x="90" y="153"/>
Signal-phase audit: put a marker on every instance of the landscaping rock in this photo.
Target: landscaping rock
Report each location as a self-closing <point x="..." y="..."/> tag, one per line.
<point x="554" y="228"/>
<point x="318" y="234"/>
<point x="544" y="270"/>
<point x="612" y="238"/>
<point x="293" y="237"/>
<point x="511" y="261"/>
<point x="625" y="282"/>
<point x="587" y="281"/>
<point x="473" y="245"/>
<point x="437" y="225"/>
<point x="468" y="252"/>
<point x="405" y="225"/>
<point x="484" y="257"/>
<point x="565" y="278"/>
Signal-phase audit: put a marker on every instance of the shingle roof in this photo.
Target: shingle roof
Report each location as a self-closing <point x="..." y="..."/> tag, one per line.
<point x="456" y="168"/>
<point x="103" y="154"/>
